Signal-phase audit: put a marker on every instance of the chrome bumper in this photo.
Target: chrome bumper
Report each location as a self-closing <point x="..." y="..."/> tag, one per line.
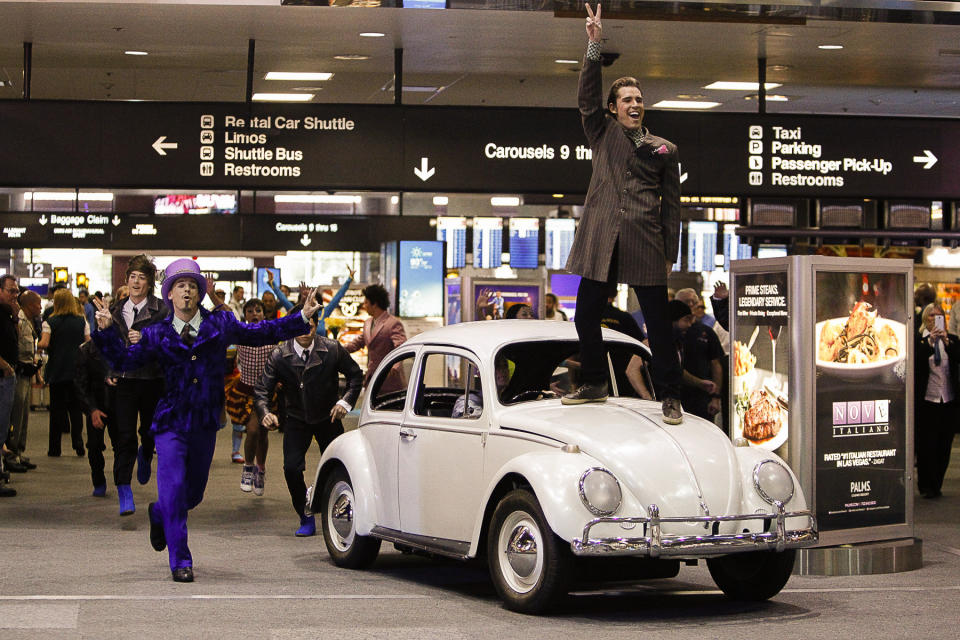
<point x="658" y="545"/>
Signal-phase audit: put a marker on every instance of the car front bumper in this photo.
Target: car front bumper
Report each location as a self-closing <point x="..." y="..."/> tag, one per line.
<point x="656" y="544"/>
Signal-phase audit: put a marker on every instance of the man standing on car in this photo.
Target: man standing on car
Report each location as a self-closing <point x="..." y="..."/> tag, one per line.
<point x="630" y="227"/>
<point x="308" y="367"/>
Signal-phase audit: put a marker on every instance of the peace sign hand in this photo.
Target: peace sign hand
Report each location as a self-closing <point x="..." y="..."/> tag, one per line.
<point x="594" y="28"/>
<point x="104" y="319"/>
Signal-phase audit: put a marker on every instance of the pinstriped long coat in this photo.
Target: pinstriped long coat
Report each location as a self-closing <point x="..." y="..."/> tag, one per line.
<point x="634" y="195"/>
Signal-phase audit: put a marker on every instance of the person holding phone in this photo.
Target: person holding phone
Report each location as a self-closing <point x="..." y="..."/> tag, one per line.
<point x="936" y="391"/>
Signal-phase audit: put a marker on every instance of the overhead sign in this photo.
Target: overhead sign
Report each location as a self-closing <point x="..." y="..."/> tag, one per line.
<point x="176" y="232"/>
<point x="474" y="149"/>
<point x="329" y="233"/>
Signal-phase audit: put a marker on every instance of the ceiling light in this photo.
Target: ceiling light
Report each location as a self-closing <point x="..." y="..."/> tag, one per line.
<point x="316" y="199"/>
<point x="136" y="53"/>
<point x="830" y="46"/>
<point x="565" y="61"/>
<point x="394" y="199"/>
<point x="771" y="97"/>
<point x="741" y="86"/>
<point x="685" y="104"/>
<point x="308" y="88"/>
<point x="296" y="75"/>
<point x="351" y="56"/>
<point x="558" y="195"/>
<point x="440" y="201"/>
<point x="416" y="89"/>
<point x="505" y="201"/>
<point x="283" y="97"/>
<point x="691" y="96"/>
<point x="372" y="34"/>
<point x="779" y="67"/>
<point x="67" y="196"/>
<point x="5" y="83"/>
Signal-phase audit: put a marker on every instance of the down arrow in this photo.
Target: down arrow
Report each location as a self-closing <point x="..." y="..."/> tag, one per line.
<point x="423" y="171"/>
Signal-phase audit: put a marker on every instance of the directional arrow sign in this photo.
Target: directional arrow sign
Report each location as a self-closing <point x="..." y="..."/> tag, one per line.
<point x="305" y="240"/>
<point x="927" y="159"/>
<point x="159" y="145"/>
<point x="42" y="220"/>
<point x="423" y="171"/>
<point x="116" y="220"/>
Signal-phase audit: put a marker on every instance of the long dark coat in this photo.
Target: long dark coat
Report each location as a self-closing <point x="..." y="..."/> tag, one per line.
<point x="634" y="195"/>
<point x="194" y="374"/>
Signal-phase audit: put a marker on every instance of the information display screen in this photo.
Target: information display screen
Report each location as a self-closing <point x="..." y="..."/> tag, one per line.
<point x="487" y="242"/>
<point x="701" y="245"/>
<point x="420" y="279"/>
<point x="524" y="243"/>
<point x="196" y="203"/>
<point x="453" y="231"/>
<point x="559" y="240"/>
<point x="861" y="401"/>
<point x="733" y="249"/>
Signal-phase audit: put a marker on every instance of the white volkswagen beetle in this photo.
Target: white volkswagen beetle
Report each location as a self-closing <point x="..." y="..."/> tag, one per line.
<point x="464" y="449"/>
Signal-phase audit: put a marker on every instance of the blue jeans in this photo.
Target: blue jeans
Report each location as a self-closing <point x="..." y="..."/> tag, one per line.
<point x="8" y="385"/>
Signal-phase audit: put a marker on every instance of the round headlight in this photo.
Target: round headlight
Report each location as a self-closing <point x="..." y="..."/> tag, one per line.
<point x="600" y="491"/>
<point x="773" y="482"/>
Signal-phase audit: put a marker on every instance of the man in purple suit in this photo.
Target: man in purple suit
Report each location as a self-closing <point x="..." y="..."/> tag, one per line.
<point x="190" y="346"/>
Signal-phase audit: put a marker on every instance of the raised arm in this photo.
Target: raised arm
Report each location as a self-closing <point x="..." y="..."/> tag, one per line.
<point x="335" y="301"/>
<point x="590" y="93"/>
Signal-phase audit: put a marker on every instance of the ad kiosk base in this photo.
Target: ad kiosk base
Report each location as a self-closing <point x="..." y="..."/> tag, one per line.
<point x="889" y="556"/>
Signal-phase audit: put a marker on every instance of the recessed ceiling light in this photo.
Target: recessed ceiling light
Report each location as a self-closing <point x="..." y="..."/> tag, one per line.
<point x="136" y="53"/>
<point x="769" y="97"/>
<point x="558" y="195"/>
<point x="830" y="46"/>
<point x="440" y="201"/>
<point x="351" y="56"/>
<point x="316" y="199"/>
<point x="372" y="34"/>
<point x="566" y="61"/>
<point x="505" y="201"/>
<point x="283" y="97"/>
<point x="296" y="75"/>
<point x="741" y="86"/>
<point x="308" y="88"/>
<point x="691" y="96"/>
<point x="779" y="67"/>
<point x="416" y="89"/>
<point x="685" y="104"/>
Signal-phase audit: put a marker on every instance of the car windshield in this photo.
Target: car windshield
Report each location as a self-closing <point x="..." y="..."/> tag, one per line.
<point x="546" y="369"/>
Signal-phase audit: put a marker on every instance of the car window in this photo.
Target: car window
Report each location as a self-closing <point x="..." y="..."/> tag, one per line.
<point x="449" y="387"/>
<point x="389" y="390"/>
<point x="549" y="368"/>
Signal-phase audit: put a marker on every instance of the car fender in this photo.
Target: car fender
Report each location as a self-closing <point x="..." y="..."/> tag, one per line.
<point x="554" y="476"/>
<point x="352" y="450"/>
<point x="749" y="458"/>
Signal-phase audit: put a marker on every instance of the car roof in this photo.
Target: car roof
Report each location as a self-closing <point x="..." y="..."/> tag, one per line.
<point x="485" y="337"/>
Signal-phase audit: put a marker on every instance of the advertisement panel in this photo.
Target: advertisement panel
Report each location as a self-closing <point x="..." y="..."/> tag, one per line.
<point x="760" y="409"/>
<point x="421" y="279"/>
<point x="493" y="299"/>
<point x="860" y="340"/>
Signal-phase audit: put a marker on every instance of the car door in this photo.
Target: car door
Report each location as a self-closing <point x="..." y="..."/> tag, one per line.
<point x="382" y="420"/>
<point x="441" y="446"/>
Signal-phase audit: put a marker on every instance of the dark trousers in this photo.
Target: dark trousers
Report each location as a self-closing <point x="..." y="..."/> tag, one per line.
<point x="297" y="436"/>
<point x="96" y="447"/>
<point x="183" y="467"/>
<point x="66" y="416"/>
<point x="592" y="300"/>
<point x="134" y="402"/>
<point x="934" y="438"/>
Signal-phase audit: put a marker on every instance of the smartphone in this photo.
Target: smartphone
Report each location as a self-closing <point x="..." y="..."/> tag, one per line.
<point x="938" y="322"/>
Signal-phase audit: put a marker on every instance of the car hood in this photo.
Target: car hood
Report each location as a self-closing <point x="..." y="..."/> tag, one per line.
<point x="672" y="466"/>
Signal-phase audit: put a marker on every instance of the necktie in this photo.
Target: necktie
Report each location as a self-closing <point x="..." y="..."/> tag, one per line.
<point x="305" y="356"/>
<point x="186" y="335"/>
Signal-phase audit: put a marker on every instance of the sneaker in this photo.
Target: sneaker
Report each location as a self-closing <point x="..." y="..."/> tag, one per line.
<point x="590" y="392"/>
<point x="258" y="480"/>
<point x="237" y="458"/>
<point x="246" y="477"/>
<point x="672" y="414"/>
<point x="308" y="527"/>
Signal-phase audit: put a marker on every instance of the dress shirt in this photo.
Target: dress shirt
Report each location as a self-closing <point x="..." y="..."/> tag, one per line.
<point x="938" y="384"/>
<point x="194" y="323"/>
<point x="300" y="351"/>
<point x="131" y="310"/>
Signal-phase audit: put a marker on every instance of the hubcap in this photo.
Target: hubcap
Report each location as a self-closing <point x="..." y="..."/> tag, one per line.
<point x="520" y="560"/>
<point x="340" y="515"/>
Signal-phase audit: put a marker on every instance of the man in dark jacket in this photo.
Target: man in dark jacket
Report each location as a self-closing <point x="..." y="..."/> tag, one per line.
<point x="630" y="227"/>
<point x="308" y="366"/>
<point x="94" y="387"/>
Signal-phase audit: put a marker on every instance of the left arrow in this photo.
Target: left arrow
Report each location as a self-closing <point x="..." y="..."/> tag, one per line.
<point x="159" y="145"/>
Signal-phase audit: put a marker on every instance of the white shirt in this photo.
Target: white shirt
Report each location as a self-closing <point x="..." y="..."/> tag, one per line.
<point x="300" y="351"/>
<point x="131" y="310"/>
<point x="194" y="323"/>
<point x="938" y="384"/>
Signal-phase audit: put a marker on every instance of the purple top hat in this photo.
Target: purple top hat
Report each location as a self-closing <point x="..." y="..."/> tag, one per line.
<point x="182" y="268"/>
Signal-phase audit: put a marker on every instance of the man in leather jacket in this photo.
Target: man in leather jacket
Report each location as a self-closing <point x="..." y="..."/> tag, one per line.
<point x="308" y="366"/>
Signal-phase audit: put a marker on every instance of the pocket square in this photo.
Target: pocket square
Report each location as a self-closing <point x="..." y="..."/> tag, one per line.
<point x="662" y="149"/>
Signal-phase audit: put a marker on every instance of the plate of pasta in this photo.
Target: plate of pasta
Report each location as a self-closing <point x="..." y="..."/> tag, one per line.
<point x="861" y="344"/>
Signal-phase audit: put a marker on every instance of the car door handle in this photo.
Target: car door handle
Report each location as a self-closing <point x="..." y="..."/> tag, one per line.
<point x="406" y="434"/>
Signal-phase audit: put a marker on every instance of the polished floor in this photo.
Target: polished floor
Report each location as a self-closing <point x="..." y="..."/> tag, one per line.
<point x="70" y="567"/>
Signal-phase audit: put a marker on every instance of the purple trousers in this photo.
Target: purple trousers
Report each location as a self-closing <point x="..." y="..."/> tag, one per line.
<point x="183" y="466"/>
